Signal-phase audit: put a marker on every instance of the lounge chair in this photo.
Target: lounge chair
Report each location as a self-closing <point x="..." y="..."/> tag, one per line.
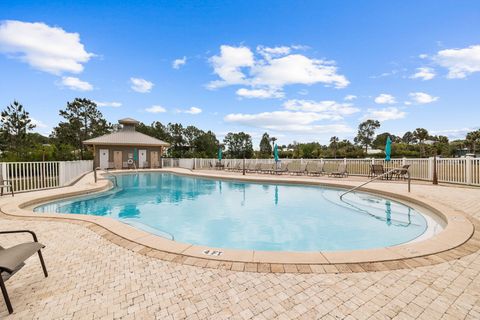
<point x="296" y="167"/>
<point x="376" y="170"/>
<point x="13" y="258"/>
<point x="341" y="171"/>
<point x="5" y="184"/>
<point x="267" y="167"/>
<point x="314" y="168"/>
<point x="237" y="167"/>
<point x="251" y="167"/>
<point x="401" y="173"/>
<point x="281" y="168"/>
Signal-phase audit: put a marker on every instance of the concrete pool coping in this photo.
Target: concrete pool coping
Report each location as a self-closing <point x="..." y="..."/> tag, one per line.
<point x="457" y="239"/>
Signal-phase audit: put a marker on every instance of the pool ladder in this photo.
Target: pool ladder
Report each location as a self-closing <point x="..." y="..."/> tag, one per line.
<point x="376" y="178"/>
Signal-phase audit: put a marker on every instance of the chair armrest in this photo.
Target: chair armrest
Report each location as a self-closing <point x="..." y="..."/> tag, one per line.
<point x="21" y="231"/>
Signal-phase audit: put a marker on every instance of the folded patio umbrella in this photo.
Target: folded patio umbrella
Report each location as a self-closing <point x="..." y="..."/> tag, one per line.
<point x="388" y="149"/>
<point x="275" y="152"/>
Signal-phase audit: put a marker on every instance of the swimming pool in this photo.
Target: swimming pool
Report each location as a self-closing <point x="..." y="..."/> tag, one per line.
<point x="255" y="216"/>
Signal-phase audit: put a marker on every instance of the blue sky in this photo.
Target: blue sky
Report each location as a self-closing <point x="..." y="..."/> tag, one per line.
<point x="300" y="70"/>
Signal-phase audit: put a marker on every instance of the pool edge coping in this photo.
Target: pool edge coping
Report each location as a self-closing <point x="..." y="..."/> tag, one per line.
<point x="452" y="242"/>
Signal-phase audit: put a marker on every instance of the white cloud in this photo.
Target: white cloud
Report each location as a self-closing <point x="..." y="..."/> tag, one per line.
<point x="422" y="97"/>
<point x="38" y="123"/>
<point x="459" y="62"/>
<point x="424" y="73"/>
<point x="296" y="69"/>
<point x="49" y="49"/>
<point x="141" y="85"/>
<point x="156" y="109"/>
<point x="112" y="104"/>
<point x="228" y="65"/>
<point x="453" y="133"/>
<point x="193" y="110"/>
<point x="390" y="113"/>
<point x="271" y="70"/>
<point x="328" y="109"/>
<point x="350" y="97"/>
<point x="299" y="122"/>
<point x="76" y="84"/>
<point x="260" y="93"/>
<point x="177" y="63"/>
<point x="423" y="56"/>
<point x="385" y="98"/>
<point x="268" y="52"/>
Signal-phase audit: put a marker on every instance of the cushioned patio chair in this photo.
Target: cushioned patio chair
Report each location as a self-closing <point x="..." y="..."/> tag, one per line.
<point x="13" y="258"/>
<point x="341" y="171"/>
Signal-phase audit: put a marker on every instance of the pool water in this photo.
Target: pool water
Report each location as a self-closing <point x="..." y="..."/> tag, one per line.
<point x="243" y="215"/>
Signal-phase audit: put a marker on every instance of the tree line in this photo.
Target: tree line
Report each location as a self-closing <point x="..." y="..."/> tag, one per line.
<point x="82" y="120"/>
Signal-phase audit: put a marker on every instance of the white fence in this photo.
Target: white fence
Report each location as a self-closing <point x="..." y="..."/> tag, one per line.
<point x="26" y="176"/>
<point x="451" y="170"/>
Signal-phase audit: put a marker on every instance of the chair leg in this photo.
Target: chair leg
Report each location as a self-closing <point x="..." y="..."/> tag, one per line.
<point x="5" y="295"/>
<point x="42" y="263"/>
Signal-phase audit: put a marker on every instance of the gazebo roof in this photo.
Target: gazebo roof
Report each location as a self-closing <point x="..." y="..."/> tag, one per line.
<point x="127" y="136"/>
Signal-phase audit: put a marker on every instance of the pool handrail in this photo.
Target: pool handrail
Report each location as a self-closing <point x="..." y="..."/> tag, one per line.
<point x="108" y="173"/>
<point x="376" y="178"/>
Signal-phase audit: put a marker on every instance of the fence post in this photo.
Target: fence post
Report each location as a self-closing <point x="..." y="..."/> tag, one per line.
<point x="373" y="160"/>
<point x="61" y="174"/>
<point x="468" y="170"/>
<point x="3" y="171"/>
<point x="404" y="161"/>
<point x="345" y="161"/>
<point x="430" y="168"/>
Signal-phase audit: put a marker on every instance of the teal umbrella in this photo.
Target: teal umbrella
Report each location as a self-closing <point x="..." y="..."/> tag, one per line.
<point x="388" y="149"/>
<point x="220" y="154"/>
<point x="275" y="152"/>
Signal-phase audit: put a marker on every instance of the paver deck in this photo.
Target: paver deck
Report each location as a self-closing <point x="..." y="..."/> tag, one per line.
<point x="91" y="277"/>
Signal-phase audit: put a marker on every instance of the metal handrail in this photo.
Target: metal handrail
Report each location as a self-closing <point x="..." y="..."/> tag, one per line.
<point x="108" y="173"/>
<point x="376" y="178"/>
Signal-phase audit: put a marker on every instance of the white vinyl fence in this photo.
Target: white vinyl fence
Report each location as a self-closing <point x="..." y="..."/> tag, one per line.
<point x="26" y="176"/>
<point x="452" y="170"/>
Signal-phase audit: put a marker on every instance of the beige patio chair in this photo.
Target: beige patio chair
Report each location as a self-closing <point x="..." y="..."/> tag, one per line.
<point x="341" y="171"/>
<point x="314" y="168"/>
<point x="13" y="259"/>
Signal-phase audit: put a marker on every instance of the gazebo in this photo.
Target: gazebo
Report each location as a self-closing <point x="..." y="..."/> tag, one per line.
<point x="127" y="148"/>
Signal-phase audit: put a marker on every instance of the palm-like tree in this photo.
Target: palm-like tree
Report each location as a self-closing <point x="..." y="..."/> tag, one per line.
<point x="472" y="139"/>
<point x="334" y="144"/>
<point x="421" y="135"/>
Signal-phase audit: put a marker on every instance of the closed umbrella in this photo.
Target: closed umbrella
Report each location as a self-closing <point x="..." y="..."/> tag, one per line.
<point x="388" y="149"/>
<point x="220" y="154"/>
<point x="275" y="152"/>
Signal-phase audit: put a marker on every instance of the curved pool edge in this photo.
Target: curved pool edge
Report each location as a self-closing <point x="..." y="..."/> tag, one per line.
<point x="451" y="243"/>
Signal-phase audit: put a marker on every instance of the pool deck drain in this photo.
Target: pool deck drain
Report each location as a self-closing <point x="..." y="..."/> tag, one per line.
<point x="460" y="238"/>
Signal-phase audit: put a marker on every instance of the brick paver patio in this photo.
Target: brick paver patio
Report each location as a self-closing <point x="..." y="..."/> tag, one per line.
<point x="91" y="277"/>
